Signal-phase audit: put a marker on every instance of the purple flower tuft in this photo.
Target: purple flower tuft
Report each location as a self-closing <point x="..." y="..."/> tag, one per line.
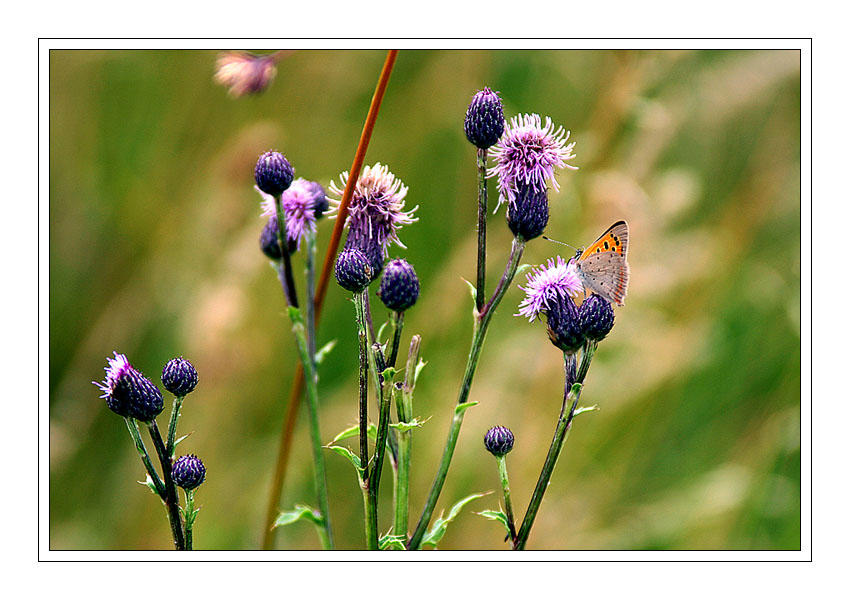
<point x="129" y="393"/>
<point x="244" y="73"/>
<point x="179" y="376"/>
<point x="376" y="210"/>
<point x="302" y="203"/>
<point x="546" y="285"/>
<point x="485" y="119"/>
<point x="273" y="173"/>
<point x="528" y="153"/>
<point x="188" y="472"/>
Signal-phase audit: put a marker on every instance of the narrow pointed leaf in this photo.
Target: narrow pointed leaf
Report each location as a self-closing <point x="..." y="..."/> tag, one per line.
<point x="438" y="530"/>
<point x="461" y="408"/>
<point x="354" y="431"/>
<point x="496" y="515"/>
<point x="392" y="542"/>
<point x="301" y="512"/>
<point x="323" y="352"/>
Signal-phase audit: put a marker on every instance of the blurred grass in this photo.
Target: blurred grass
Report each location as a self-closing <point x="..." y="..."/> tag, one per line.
<point x="153" y="252"/>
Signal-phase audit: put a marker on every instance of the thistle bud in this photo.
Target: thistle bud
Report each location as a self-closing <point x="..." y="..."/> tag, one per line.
<point x="528" y="214"/>
<point x="370" y="248"/>
<point x="499" y="441"/>
<point x="188" y="472"/>
<point x="129" y="393"/>
<point x="596" y="317"/>
<point x="273" y="173"/>
<point x="352" y="270"/>
<point x="179" y="376"/>
<point x="268" y="239"/>
<point x="564" y="327"/>
<point x="399" y="286"/>
<point x="485" y="119"/>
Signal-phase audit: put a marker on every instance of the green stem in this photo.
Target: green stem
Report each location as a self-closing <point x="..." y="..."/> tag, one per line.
<point x="286" y="280"/>
<point x="172" y="424"/>
<point x="397" y="323"/>
<point x="312" y="386"/>
<point x="371" y="517"/>
<point x="382" y="384"/>
<point x="359" y="307"/>
<point x="133" y="428"/>
<point x="482" y="321"/>
<point x="189" y="517"/>
<point x="572" y="392"/>
<point x="171" y="504"/>
<point x="403" y="394"/>
<point x="482" y="228"/>
<point x="506" y="488"/>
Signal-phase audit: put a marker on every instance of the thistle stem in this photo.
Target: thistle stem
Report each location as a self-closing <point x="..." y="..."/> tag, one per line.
<point x="133" y="428"/>
<point x="506" y="489"/>
<point x="482" y="321"/>
<point x="171" y="503"/>
<point x="286" y="278"/>
<point x="189" y="517"/>
<point x="482" y="228"/>
<point x="572" y="392"/>
<point x="288" y="426"/>
<point x="403" y="394"/>
<point x="364" y="386"/>
<point x="384" y="393"/>
<point x="397" y="324"/>
<point x="371" y="517"/>
<point x="172" y="424"/>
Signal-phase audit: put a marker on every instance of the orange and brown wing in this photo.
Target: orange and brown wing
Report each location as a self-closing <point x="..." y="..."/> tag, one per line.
<point x="615" y="239"/>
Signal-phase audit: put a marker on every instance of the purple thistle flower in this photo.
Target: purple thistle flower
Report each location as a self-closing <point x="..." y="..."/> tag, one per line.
<point x="546" y="285"/>
<point x="301" y="203"/>
<point x="376" y="210"/>
<point x="129" y="393"/>
<point x="188" y="472"/>
<point x="528" y="153"/>
<point x="485" y="119"/>
<point x="244" y="73"/>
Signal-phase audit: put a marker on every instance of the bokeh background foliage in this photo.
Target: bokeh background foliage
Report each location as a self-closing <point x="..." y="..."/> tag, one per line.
<point x="153" y="252"/>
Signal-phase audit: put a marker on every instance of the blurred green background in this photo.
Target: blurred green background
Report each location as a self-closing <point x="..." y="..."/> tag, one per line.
<point x="153" y="253"/>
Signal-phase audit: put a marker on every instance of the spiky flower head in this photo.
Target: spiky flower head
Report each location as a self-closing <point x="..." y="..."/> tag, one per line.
<point x="268" y="239"/>
<point x="273" y="173"/>
<point x="529" y="152"/>
<point x="485" y="119"/>
<point x="563" y="325"/>
<point x="376" y="210"/>
<point x="528" y="215"/>
<point x="399" y="286"/>
<point x="302" y="203"/>
<point x="188" y="472"/>
<point x="129" y="393"/>
<point x="179" y="376"/>
<point x="244" y="73"/>
<point x="499" y="441"/>
<point x="546" y="285"/>
<point x="352" y="270"/>
<point x="596" y="317"/>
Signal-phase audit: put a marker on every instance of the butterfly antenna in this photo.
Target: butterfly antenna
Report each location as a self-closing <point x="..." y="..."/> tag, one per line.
<point x="557" y="242"/>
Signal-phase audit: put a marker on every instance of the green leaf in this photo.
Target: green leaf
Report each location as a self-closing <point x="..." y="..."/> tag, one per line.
<point x="323" y="352"/>
<point x="149" y="483"/>
<point x="353" y="458"/>
<point x="380" y="332"/>
<point x="419" y="366"/>
<point x="582" y="409"/>
<point x="180" y="439"/>
<point x="301" y="512"/>
<point x="402" y="426"/>
<point x="496" y="515"/>
<point x="472" y="291"/>
<point x="389" y="373"/>
<point x="354" y="431"/>
<point x="392" y="542"/>
<point x="438" y="530"/>
<point x="461" y="408"/>
<point x="521" y="268"/>
<point x="295" y="315"/>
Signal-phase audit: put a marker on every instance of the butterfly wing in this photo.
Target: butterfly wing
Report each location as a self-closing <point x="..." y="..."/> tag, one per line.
<point x="603" y="268"/>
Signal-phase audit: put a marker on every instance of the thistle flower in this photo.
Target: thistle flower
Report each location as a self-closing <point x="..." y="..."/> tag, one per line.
<point x="244" y="73"/>
<point x="399" y="286"/>
<point x="371" y="249"/>
<point x="129" y="393"/>
<point x="499" y="441"/>
<point x="596" y="317"/>
<point x="352" y="270"/>
<point x="528" y="215"/>
<point x="302" y="203"/>
<point x="179" y="376"/>
<point x="563" y="325"/>
<point x="273" y="173"/>
<point x="547" y="285"/>
<point x="376" y="210"/>
<point x="188" y="472"/>
<point x="528" y="153"/>
<point x="485" y="119"/>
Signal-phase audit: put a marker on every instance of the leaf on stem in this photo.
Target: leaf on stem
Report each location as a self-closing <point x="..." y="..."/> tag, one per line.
<point x="401" y="426"/>
<point x="582" y="409"/>
<point x="472" y="291"/>
<point x="354" y="431"/>
<point x="323" y="352"/>
<point x="180" y="439"/>
<point x="392" y="542"/>
<point x="461" y="408"/>
<point x="149" y="483"/>
<point x="438" y="530"/>
<point x="419" y="366"/>
<point x="295" y="315"/>
<point x="496" y="515"/>
<point x="353" y="458"/>
<point x="301" y="512"/>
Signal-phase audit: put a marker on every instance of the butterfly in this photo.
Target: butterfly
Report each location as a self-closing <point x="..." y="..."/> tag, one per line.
<point x="602" y="267"/>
